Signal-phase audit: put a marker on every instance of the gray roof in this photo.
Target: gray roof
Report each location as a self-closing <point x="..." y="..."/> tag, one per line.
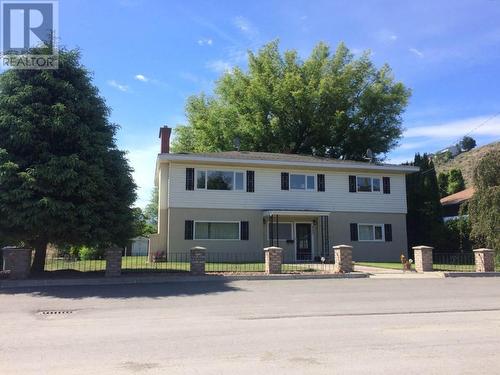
<point x="270" y="156"/>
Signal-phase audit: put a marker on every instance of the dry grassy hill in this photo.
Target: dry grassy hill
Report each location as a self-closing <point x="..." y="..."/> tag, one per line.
<point x="467" y="161"/>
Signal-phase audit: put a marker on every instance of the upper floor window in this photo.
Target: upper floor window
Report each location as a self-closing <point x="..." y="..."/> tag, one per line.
<point x="220" y="180"/>
<point x="302" y="182"/>
<point x="368" y="184"/>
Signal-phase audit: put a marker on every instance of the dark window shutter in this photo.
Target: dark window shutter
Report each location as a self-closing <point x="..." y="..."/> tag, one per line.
<point x="321" y="182"/>
<point x="188" y="229"/>
<point x="250" y="181"/>
<point x="284" y="181"/>
<point x="388" y="232"/>
<point x="189" y="178"/>
<point x="386" y="181"/>
<point x="354" y="232"/>
<point x="352" y="184"/>
<point x="244" y="230"/>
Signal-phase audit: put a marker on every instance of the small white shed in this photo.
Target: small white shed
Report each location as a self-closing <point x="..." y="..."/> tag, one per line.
<point x="138" y="246"/>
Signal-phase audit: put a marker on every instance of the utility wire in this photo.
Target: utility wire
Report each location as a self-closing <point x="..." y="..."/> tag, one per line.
<point x="466" y="134"/>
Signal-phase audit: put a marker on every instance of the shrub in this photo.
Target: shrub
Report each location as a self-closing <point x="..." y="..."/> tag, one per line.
<point x="90" y="253"/>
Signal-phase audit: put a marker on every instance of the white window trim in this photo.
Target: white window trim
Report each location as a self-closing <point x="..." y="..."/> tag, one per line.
<point x="282" y="222"/>
<point x="371" y="184"/>
<point x="302" y="174"/>
<point x="234" y="171"/>
<point x="373" y="231"/>
<point x="217" y="221"/>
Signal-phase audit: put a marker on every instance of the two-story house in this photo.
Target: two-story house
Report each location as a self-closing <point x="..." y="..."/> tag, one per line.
<point x="244" y="201"/>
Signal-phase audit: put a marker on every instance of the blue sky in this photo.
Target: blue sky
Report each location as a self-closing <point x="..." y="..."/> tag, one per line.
<point x="149" y="56"/>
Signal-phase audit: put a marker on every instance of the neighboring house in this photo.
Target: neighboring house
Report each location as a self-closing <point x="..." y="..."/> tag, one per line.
<point x="241" y="202"/>
<point x="453" y="150"/>
<point x="451" y="203"/>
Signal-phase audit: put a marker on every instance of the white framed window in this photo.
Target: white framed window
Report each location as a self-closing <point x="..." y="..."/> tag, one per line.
<point x="371" y="232"/>
<point x="368" y="184"/>
<point x="285" y="231"/>
<point x="216" y="230"/>
<point x="302" y="182"/>
<point x="220" y="180"/>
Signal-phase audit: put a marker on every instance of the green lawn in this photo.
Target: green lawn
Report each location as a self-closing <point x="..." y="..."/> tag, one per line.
<point x="389" y="265"/>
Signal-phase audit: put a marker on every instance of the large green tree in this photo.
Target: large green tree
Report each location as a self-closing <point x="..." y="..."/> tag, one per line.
<point x="424" y="218"/>
<point x="484" y="207"/>
<point x="62" y="178"/>
<point x="331" y="104"/>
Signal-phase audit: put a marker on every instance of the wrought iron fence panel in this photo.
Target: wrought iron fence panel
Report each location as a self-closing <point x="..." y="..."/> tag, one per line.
<point x="458" y="262"/>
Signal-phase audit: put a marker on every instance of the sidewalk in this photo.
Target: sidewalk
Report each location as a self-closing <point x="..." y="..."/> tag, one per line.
<point x="387" y="273"/>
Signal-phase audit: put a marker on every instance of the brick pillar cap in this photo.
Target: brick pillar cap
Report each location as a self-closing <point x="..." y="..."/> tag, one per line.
<point x="422" y="247"/>
<point x="272" y="248"/>
<point x="484" y="250"/>
<point x="341" y="246"/>
<point x="198" y="248"/>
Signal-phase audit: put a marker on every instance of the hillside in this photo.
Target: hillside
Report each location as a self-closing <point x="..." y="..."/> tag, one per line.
<point x="466" y="161"/>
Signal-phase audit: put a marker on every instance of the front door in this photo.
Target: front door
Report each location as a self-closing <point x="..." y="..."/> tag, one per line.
<point x="303" y="237"/>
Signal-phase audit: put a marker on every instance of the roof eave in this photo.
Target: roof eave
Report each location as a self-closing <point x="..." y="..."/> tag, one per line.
<point x="342" y="166"/>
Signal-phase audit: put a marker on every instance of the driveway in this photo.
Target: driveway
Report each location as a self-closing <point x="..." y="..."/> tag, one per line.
<point x="376" y="326"/>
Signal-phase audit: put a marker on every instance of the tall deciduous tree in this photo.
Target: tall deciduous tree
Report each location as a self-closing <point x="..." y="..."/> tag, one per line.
<point x="62" y="178"/>
<point x="484" y="207"/>
<point x="424" y="219"/>
<point x="329" y="105"/>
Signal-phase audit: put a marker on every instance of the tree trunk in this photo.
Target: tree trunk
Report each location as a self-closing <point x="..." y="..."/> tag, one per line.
<point x="38" y="264"/>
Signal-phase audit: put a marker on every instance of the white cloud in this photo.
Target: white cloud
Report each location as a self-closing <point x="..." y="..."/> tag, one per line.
<point x="386" y="36"/>
<point x="245" y="26"/>
<point x="219" y="66"/>
<point x="205" y="42"/>
<point x="141" y="77"/>
<point x="143" y="160"/>
<point x="416" y="52"/>
<point x="483" y="125"/>
<point x="119" y="86"/>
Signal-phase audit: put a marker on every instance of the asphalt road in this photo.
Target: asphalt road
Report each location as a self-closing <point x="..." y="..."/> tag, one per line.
<point x="431" y="326"/>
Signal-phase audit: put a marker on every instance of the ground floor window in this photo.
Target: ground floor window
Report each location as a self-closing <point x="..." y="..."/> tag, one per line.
<point x="205" y="230"/>
<point x="371" y="232"/>
<point x="281" y="230"/>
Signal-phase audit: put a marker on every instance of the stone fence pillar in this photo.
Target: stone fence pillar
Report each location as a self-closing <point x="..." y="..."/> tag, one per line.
<point x="113" y="262"/>
<point x="485" y="260"/>
<point x="198" y="259"/>
<point x="423" y="258"/>
<point x="17" y="261"/>
<point x="343" y="258"/>
<point x="274" y="258"/>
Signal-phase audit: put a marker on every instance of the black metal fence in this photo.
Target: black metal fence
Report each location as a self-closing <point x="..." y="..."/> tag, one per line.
<point x="297" y="266"/>
<point x="458" y="262"/>
<point x="174" y="262"/>
<point x="68" y="263"/>
<point x="235" y="261"/>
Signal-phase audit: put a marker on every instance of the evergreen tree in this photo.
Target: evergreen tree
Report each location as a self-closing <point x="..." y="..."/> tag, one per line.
<point x="484" y="207"/>
<point x="424" y="219"/>
<point x="442" y="179"/>
<point x="456" y="181"/>
<point x="62" y="178"/>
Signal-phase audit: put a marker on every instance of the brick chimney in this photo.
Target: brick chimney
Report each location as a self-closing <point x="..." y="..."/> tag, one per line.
<point x="165" y="139"/>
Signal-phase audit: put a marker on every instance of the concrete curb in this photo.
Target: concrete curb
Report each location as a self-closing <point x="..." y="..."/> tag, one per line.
<point x="127" y="280"/>
<point x="471" y="274"/>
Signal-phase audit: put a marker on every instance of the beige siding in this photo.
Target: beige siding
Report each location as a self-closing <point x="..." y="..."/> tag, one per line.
<point x="339" y="233"/>
<point x="268" y="193"/>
